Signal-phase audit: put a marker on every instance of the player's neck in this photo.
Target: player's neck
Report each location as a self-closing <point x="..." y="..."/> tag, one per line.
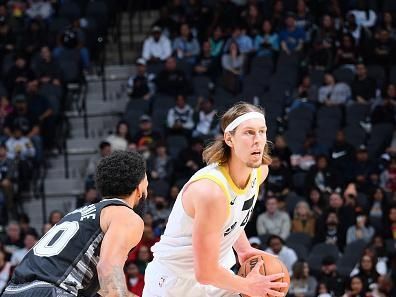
<point x="239" y="173"/>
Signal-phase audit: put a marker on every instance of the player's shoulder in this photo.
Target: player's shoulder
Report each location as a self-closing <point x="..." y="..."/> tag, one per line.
<point x="206" y="189"/>
<point x="118" y="214"/>
<point x="263" y="173"/>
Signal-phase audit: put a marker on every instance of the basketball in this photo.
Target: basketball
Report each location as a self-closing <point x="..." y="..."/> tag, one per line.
<point x="271" y="265"/>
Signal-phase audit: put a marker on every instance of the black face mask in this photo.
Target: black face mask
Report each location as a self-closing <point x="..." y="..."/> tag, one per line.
<point x="159" y="206"/>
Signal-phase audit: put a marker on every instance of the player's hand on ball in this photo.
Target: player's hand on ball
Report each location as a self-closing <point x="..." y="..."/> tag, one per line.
<point x="262" y="285"/>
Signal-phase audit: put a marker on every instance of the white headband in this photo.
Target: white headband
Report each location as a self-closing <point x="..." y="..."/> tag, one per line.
<point x="245" y="117"/>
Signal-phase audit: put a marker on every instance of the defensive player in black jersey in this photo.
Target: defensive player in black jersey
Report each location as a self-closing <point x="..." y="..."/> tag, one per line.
<point x="86" y="251"/>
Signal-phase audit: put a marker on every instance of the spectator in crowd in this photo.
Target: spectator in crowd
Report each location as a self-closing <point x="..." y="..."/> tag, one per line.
<point x="364" y="170"/>
<point x="232" y="62"/>
<point x="385" y="287"/>
<point x="206" y="64"/>
<point x="7" y="37"/>
<point x="390" y="226"/>
<point x="39" y="9"/>
<point x="189" y="159"/>
<point x="19" y="146"/>
<point x="363" y="86"/>
<point x="40" y="108"/>
<point x="379" y="263"/>
<point x="329" y="276"/>
<point x="282" y="150"/>
<point x="7" y="178"/>
<point x="24" y="224"/>
<point x="377" y="209"/>
<point x="160" y="164"/>
<point x="120" y="140"/>
<point x="388" y="176"/>
<point x="252" y="17"/>
<point x="18" y="75"/>
<point x="305" y="95"/>
<point x="47" y="68"/>
<point x="384" y="112"/>
<point x="276" y="246"/>
<point x="302" y="284"/>
<point x="146" y="137"/>
<point x="216" y="41"/>
<point x="25" y="120"/>
<point x="324" y="40"/>
<point x="387" y="22"/>
<point x="342" y="155"/>
<point x="355" y="288"/>
<point x="135" y="279"/>
<point x="90" y="196"/>
<point x="278" y="179"/>
<point x="383" y="49"/>
<point x="266" y="44"/>
<point x="143" y="258"/>
<point x="29" y="241"/>
<point x="186" y="46"/>
<point x="367" y="271"/>
<point x="273" y="220"/>
<point x="239" y="36"/>
<point x="5" y="270"/>
<point x="180" y="117"/>
<point x="141" y="84"/>
<point x="35" y="36"/>
<point x="331" y="232"/>
<point x="321" y="176"/>
<point x="71" y="40"/>
<point x="316" y="202"/>
<point x="361" y="230"/>
<point x="104" y="151"/>
<point x="166" y="22"/>
<point x="160" y="210"/>
<point x="156" y="48"/>
<point x="332" y="92"/>
<point x="172" y="81"/>
<point x="303" y="219"/>
<point x="205" y="119"/>
<point x="54" y="217"/>
<point x="347" y="53"/>
<point x="5" y="109"/>
<point x="13" y="240"/>
<point x="291" y="38"/>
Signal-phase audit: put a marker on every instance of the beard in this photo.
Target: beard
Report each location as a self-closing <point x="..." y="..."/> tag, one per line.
<point x="254" y="164"/>
<point x="141" y="207"/>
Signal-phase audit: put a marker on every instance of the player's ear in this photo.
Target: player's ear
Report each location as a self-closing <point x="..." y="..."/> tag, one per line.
<point x="228" y="139"/>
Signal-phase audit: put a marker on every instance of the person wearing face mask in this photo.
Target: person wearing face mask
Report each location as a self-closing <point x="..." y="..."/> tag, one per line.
<point x="135" y="280"/>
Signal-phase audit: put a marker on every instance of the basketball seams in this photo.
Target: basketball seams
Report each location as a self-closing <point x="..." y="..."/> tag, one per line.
<point x="265" y="270"/>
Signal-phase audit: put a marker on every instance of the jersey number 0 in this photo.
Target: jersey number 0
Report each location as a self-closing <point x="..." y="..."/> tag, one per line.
<point x="49" y="246"/>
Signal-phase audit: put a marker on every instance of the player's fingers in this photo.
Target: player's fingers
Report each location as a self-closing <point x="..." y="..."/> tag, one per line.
<point x="258" y="265"/>
<point x="278" y="285"/>
<point x="275" y="293"/>
<point x="275" y="276"/>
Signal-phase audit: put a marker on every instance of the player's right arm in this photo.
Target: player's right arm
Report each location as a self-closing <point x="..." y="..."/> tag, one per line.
<point x="123" y="230"/>
<point x="206" y="202"/>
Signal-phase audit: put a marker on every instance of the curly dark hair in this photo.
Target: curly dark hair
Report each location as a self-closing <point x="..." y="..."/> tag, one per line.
<point x="119" y="174"/>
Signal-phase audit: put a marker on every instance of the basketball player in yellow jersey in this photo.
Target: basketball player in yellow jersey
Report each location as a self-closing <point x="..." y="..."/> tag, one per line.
<point x="195" y="253"/>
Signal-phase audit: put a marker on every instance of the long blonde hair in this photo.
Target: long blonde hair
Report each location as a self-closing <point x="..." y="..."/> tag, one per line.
<point x="218" y="151"/>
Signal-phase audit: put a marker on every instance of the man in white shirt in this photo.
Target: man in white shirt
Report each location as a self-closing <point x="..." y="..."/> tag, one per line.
<point x="273" y="220"/>
<point x="276" y="246"/>
<point x="157" y="47"/>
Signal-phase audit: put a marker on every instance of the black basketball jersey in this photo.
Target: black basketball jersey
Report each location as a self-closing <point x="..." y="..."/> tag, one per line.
<point x="67" y="255"/>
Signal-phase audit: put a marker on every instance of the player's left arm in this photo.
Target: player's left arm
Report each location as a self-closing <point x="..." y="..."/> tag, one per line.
<point x="242" y="246"/>
<point x="123" y="230"/>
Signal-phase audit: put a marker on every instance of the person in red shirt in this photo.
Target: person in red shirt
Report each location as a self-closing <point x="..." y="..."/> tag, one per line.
<point x="134" y="279"/>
